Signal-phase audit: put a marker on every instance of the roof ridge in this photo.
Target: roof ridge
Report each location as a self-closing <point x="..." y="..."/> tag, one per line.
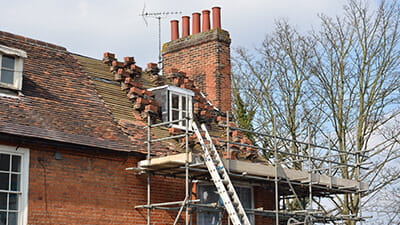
<point x="33" y="41"/>
<point x="84" y="56"/>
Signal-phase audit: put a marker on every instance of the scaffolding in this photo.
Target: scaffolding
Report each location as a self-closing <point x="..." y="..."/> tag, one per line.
<point x="297" y="192"/>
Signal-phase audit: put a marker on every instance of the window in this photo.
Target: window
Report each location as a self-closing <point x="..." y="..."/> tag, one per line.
<point x="176" y="104"/>
<point x="209" y="195"/>
<point x="13" y="185"/>
<point x="11" y="64"/>
<point x="180" y="107"/>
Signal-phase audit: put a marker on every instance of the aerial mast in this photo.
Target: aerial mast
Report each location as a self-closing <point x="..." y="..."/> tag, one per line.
<point x="158" y="16"/>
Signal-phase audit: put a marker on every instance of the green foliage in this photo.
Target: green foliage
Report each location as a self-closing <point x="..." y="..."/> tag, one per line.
<point x="243" y="114"/>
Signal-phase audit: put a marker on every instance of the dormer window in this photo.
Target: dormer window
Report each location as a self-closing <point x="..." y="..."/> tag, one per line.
<point x="176" y="104"/>
<point x="11" y="64"/>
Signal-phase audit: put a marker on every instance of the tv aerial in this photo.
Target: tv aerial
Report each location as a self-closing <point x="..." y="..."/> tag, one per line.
<point x="158" y="16"/>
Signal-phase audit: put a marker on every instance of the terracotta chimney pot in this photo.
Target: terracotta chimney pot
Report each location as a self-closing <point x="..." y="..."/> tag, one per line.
<point x="195" y="23"/>
<point x="216" y="17"/>
<point x="206" y="20"/>
<point x="174" y="30"/>
<point x="185" y="26"/>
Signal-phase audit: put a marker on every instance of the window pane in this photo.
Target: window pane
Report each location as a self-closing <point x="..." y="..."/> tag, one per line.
<point x="3" y="201"/>
<point x="7" y="76"/>
<point x="175" y="115"/>
<point x="3" y="218"/>
<point x="4" y="181"/>
<point x="208" y="218"/>
<point x="16" y="163"/>
<point x="12" y="218"/>
<point x="8" y="62"/>
<point x="4" y="162"/>
<point x="184" y="123"/>
<point x="15" y="183"/>
<point x="183" y="103"/>
<point x="244" y="196"/>
<point x="175" y="101"/>
<point x="208" y="194"/>
<point x="13" y="205"/>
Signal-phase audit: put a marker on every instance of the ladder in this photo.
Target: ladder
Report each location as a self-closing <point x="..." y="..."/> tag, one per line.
<point x="221" y="179"/>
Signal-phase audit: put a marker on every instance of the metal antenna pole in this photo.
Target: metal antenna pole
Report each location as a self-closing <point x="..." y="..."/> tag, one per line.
<point x="158" y="16"/>
<point x="159" y="41"/>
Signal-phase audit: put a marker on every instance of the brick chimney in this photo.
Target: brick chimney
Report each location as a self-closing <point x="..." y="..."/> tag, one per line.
<point x="204" y="57"/>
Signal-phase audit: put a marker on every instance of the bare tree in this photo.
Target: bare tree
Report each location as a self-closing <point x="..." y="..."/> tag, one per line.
<point x="275" y="86"/>
<point x="342" y="81"/>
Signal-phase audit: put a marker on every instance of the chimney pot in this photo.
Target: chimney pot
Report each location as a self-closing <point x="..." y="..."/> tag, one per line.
<point x="206" y="20"/>
<point x="174" y="30"/>
<point x="216" y="17"/>
<point x="185" y="26"/>
<point x="195" y="23"/>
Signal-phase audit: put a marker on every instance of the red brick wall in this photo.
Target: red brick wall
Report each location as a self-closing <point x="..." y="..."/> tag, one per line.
<point x="204" y="57"/>
<point x="94" y="189"/>
<point x="264" y="199"/>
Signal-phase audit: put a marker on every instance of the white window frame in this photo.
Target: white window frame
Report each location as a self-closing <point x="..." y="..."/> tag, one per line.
<point x="18" y="56"/>
<point x="24" y="180"/>
<point x="181" y="92"/>
<point x="251" y="216"/>
<point x="182" y="112"/>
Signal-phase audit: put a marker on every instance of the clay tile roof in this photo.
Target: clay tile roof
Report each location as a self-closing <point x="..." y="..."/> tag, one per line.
<point x="99" y="103"/>
<point x="59" y="101"/>
<point x="121" y="107"/>
<point x="124" y="86"/>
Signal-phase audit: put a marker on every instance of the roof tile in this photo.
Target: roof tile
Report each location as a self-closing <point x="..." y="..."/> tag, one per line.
<point x="59" y="103"/>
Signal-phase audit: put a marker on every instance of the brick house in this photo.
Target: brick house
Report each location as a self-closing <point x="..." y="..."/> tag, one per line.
<point x="70" y="125"/>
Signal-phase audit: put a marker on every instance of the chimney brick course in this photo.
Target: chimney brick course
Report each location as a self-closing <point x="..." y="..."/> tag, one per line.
<point x="205" y="57"/>
<point x="130" y="75"/>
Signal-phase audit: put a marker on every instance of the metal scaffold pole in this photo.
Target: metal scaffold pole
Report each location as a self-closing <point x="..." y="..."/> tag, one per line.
<point x="310" y="169"/>
<point x="358" y="175"/>
<point x="290" y="185"/>
<point x="187" y="159"/>
<point x="276" y="162"/>
<point x="228" y="147"/>
<point x="148" y="175"/>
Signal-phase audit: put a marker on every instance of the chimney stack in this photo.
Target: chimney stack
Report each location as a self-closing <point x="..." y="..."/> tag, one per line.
<point x="203" y="56"/>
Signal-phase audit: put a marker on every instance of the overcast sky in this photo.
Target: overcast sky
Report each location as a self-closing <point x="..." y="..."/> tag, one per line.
<point x="91" y="27"/>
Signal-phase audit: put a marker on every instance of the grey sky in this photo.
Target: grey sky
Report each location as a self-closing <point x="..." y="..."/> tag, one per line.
<point x="91" y="27"/>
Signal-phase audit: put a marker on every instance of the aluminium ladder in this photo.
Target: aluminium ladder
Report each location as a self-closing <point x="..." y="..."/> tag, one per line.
<point x="221" y="179"/>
